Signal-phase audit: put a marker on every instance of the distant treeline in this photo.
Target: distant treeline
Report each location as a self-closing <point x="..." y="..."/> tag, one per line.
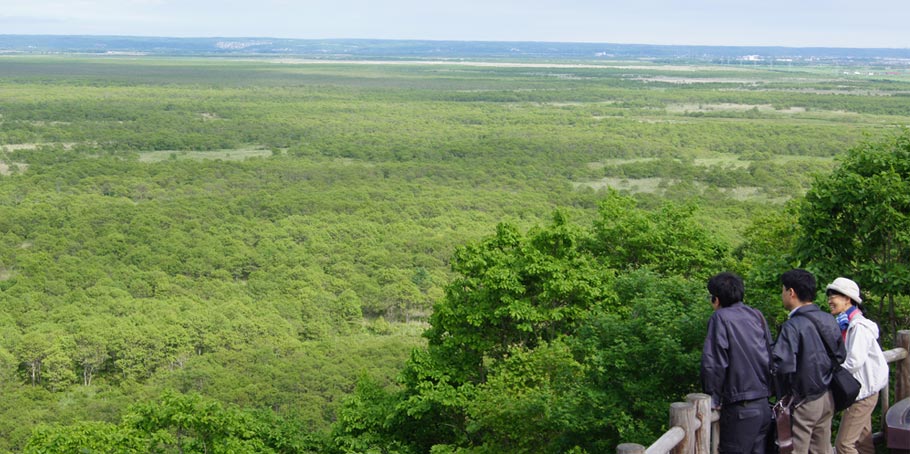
<point x="373" y="48"/>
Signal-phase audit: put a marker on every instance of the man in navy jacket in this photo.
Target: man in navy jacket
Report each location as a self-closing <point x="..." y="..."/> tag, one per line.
<point x="735" y="367"/>
<point x="801" y="365"/>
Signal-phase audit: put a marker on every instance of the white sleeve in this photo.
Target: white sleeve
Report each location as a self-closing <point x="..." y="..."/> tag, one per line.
<point x="859" y="341"/>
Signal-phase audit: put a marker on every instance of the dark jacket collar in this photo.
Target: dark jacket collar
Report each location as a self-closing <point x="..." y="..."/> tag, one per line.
<point x="811" y="307"/>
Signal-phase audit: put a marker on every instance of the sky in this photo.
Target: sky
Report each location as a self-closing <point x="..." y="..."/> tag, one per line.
<point x="790" y="23"/>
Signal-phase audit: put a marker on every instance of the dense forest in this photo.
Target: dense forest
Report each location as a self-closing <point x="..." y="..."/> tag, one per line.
<point x="213" y="255"/>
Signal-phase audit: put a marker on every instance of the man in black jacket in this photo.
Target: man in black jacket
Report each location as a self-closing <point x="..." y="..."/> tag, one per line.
<point x="735" y="367"/>
<point x="801" y="364"/>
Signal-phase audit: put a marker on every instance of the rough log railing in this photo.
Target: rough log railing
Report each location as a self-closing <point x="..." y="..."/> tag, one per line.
<point x="694" y="428"/>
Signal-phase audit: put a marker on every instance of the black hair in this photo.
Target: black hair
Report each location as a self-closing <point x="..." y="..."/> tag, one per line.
<point x="802" y="282"/>
<point x="727" y="288"/>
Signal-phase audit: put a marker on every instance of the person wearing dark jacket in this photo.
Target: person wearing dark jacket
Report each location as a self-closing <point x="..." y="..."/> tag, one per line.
<point x="735" y="367"/>
<point x="801" y="365"/>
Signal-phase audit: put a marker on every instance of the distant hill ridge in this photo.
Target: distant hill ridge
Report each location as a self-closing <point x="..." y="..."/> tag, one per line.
<point x="416" y="49"/>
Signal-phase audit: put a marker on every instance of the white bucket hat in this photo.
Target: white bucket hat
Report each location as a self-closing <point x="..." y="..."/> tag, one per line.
<point x="847" y="288"/>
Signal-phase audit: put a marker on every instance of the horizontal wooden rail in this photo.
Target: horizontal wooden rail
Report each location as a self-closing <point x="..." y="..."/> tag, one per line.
<point x="895" y="354"/>
<point x="668" y="441"/>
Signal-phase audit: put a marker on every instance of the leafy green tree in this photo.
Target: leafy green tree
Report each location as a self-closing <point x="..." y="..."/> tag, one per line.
<point x="90" y="347"/>
<point x="515" y="290"/>
<point x="34" y="347"/>
<point x="768" y="249"/>
<point x="856" y="221"/>
<point x="530" y="402"/>
<point x="668" y="240"/>
<point x="639" y="359"/>
<point x="91" y="436"/>
<point x="364" y="420"/>
<point x="539" y="347"/>
<point x="196" y="424"/>
<point x="58" y="367"/>
<point x="8" y="366"/>
<point x="177" y="423"/>
<point x="348" y="312"/>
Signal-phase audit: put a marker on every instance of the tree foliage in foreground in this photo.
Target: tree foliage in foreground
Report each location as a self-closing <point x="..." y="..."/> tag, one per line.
<point x="546" y="342"/>
<point x="856" y="221"/>
<point x="177" y="423"/>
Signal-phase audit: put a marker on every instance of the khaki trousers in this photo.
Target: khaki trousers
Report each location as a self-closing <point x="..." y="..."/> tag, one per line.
<point x="812" y="426"/>
<point x="855" y="433"/>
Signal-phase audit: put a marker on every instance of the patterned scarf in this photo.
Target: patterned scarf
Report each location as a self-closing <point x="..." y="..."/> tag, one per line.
<point x="843" y="319"/>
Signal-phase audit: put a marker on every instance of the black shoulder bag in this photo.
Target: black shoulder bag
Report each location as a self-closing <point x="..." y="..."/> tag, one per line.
<point x="844" y="388"/>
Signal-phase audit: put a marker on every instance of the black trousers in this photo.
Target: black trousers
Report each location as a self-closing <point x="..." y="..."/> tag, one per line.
<point x="744" y="427"/>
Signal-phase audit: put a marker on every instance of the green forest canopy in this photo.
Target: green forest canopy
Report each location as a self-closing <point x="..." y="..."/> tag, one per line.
<point x="255" y="238"/>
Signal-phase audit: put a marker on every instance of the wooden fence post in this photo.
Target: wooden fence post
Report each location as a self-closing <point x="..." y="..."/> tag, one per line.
<point x="682" y="414"/>
<point x="630" y="448"/>
<point x="702" y="403"/>
<point x="902" y="377"/>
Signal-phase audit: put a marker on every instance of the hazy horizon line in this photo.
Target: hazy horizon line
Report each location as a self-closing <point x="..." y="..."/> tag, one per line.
<point x="779" y="46"/>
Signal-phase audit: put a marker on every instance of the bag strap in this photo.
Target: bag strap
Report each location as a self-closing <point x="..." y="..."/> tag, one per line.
<point x="828" y="349"/>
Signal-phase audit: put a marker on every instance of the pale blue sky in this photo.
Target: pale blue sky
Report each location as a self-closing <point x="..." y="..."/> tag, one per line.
<point x="795" y="23"/>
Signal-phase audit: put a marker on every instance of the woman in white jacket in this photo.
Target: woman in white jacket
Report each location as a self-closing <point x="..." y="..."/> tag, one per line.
<point x="865" y="361"/>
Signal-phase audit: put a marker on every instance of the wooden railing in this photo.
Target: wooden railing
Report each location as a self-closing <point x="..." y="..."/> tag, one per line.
<point x="694" y="428"/>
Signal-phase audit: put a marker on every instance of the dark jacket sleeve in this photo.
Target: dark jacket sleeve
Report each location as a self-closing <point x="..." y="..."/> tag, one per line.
<point x="783" y="359"/>
<point x="714" y="360"/>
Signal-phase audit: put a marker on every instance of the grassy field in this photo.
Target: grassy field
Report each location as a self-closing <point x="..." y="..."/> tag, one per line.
<point x="226" y="155"/>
